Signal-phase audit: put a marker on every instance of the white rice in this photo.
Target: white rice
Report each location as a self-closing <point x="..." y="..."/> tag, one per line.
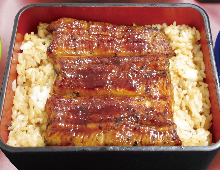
<point x="32" y="88"/>
<point x="191" y="96"/>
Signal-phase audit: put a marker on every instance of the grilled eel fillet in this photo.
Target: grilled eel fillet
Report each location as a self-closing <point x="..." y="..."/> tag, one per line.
<point x="113" y="76"/>
<point x="104" y="121"/>
<point x="125" y="70"/>
<point x="112" y="134"/>
<point x="73" y="37"/>
<point x="82" y="110"/>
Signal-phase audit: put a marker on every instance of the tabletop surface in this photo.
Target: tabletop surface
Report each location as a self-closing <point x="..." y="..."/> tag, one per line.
<point x="9" y="8"/>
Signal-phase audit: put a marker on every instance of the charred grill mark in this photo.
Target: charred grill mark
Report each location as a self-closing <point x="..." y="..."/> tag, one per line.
<point x="135" y="143"/>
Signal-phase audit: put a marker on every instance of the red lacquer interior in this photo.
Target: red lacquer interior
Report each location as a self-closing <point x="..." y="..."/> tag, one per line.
<point x="126" y="15"/>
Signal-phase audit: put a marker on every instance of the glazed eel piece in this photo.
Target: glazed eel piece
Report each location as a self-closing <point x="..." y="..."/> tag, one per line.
<point x="109" y="121"/>
<point x="82" y="110"/>
<point x="145" y="75"/>
<point x="112" y="134"/>
<point x="157" y="62"/>
<point x="73" y="37"/>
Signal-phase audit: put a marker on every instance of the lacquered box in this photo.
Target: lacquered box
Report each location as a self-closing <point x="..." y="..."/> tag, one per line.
<point x="114" y="157"/>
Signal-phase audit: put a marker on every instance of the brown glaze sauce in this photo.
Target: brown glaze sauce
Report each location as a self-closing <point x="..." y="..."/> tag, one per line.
<point x="112" y="87"/>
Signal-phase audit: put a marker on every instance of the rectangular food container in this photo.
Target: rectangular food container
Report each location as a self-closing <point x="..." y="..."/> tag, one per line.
<point x="113" y="157"/>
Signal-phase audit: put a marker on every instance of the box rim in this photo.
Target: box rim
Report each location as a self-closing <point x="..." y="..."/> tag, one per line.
<point x="8" y="148"/>
<point x="12" y="149"/>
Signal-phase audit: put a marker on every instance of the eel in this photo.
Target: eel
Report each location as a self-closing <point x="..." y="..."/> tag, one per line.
<point x="124" y="133"/>
<point x="112" y="76"/>
<point x="82" y="110"/>
<point x="113" y="86"/>
<point x="73" y="37"/>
